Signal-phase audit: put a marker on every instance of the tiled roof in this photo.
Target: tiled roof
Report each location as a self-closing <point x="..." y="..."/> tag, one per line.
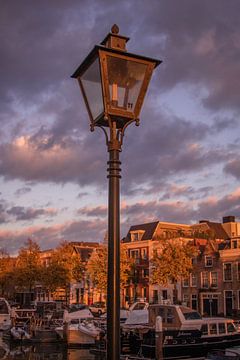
<point x="148" y="228"/>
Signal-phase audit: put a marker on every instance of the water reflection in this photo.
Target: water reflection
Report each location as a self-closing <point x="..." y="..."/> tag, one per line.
<point x="43" y="352"/>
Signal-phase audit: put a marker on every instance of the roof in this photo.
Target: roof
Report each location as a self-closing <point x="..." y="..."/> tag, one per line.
<point x="148" y="228"/>
<point x="218" y="230"/>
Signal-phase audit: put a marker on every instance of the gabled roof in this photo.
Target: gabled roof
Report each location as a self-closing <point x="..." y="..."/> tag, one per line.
<point x="148" y="228"/>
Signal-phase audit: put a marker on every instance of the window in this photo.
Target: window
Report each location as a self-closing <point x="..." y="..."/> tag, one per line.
<point x="205" y="282"/>
<point x="193" y="280"/>
<point x="194" y="302"/>
<point x="238" y="271"/>
<point x="164" y="294"/>
<point x="144" y="292"/>
<point x="144" y="253"/>
<point x="221" y="328"/>
<point x="208" y="261"/>
<point x="145" y="273"/>
<point x="186" y="282"/>
<point x="134" y="254"/>
<point x="227" y="271"/>
<point x="155" y="296"/>
<point x="186" y="299"/>
<point x="137" y="235"/>
<point x="170" y="316"/>
<point x="214" y="279"/>
<point x="230" y="328"/>
<point x="204" y="329"/>
<point x="213" y="329"/>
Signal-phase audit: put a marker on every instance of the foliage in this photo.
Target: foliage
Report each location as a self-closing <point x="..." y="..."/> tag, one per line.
<point x="6" y="273"/>
<point x="97" y="268"/>
<point x="173" y="262"/>
<point x="28" y="265"/>
<point x="65" y="266"/>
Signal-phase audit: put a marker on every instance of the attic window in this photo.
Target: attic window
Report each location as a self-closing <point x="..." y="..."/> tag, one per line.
<point x="136" y="235"/>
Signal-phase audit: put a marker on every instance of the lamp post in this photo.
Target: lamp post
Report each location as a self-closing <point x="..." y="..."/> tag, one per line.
<point x="113" y="84"/>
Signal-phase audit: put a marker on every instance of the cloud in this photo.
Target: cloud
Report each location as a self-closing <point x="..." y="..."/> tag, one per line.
<point x="233" y="168"/>
<point x="20" y="213"/>
<point x="99" y="211"/>
<point x="23" y="191"/>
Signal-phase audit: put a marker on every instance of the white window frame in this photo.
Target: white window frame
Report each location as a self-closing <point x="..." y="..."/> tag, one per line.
<point x="135" y="252"/>
<point x="224" y="278"/>
<point x="136" y="235"/>
<point x="211" y="283"/>
<point x="186" y="282"/>
<point x="208" y="261"/>
<point x="207" y="278"/>
<point x="193" y="276"/>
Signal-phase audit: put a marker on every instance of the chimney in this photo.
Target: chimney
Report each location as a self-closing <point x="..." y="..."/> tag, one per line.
<point x="227" y="219"/>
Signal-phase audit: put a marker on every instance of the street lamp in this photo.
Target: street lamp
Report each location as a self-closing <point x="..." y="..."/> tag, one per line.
<point x="113" y="84"/>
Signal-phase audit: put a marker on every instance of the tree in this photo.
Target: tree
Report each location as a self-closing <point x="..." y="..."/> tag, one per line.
<point x="97" y="268"/>
<point x="65" y="266"/>
<point x="6" y="274"/>
<point x="172" y="263"/>
<point x="28" y="266"/>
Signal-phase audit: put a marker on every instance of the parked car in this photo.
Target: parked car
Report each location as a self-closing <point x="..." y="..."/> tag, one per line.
<point x="98" y="308"/>
<point x="76" y="306"/>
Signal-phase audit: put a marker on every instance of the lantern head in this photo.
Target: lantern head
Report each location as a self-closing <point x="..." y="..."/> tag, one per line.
<point x="114" y="82"/>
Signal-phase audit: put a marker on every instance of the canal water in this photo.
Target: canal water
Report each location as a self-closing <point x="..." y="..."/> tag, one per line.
<point x="43" y="352"/>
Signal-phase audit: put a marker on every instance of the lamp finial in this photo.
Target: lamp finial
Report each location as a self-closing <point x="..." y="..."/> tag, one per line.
<point x="115" y="29"/>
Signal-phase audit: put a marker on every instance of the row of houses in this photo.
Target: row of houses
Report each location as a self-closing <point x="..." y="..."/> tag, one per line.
<point x="212" y="288"/>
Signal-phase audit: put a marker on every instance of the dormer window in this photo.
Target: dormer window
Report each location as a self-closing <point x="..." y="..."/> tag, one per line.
<point x="136" y="235"/>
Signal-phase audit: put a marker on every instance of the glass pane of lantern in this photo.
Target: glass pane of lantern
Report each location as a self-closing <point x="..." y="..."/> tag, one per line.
<point x="91" y="81"/>
<point x="125" y="81"/>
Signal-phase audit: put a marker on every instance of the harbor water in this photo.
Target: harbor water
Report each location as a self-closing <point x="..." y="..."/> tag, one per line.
<point x="43" y="351"/>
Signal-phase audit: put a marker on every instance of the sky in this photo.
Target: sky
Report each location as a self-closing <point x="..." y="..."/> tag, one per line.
<point x="180" y="165"/>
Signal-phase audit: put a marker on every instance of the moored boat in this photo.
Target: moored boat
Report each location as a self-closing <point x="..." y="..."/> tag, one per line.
<point x="5" y="314"/>
<point x="185" y="332"/>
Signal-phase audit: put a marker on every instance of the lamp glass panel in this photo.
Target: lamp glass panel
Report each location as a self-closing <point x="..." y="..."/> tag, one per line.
<point x="125" y="78"/>
<point x="91" y="81"/>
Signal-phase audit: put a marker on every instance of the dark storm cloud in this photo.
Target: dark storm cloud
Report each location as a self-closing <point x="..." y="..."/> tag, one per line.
<point x="99" y="211"/>
<point x="20" y="213"/>
<point x="199" y="41"/>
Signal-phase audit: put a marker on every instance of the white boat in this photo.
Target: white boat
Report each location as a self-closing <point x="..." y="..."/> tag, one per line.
<point x="19" y="333"/>
<point x="79" y="328"/>
<point x="5" y="315"/>
<point x="79" y="332"/>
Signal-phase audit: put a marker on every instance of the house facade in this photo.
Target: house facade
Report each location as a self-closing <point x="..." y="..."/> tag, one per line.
<point x="213" y="287"/>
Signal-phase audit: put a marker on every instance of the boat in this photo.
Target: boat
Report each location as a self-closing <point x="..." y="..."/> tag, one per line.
<point x="5" y="315"/>
<point x="184" y="332"/>
<point x="79" y="328"/>
<point x="18" y="333"/>
<point x="80" y="332"/>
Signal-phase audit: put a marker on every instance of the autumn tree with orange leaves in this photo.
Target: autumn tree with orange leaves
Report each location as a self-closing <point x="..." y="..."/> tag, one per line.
<point x="172" y="262"/>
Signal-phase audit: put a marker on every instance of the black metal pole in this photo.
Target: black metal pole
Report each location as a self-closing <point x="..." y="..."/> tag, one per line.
<point x="113" y="288"/>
